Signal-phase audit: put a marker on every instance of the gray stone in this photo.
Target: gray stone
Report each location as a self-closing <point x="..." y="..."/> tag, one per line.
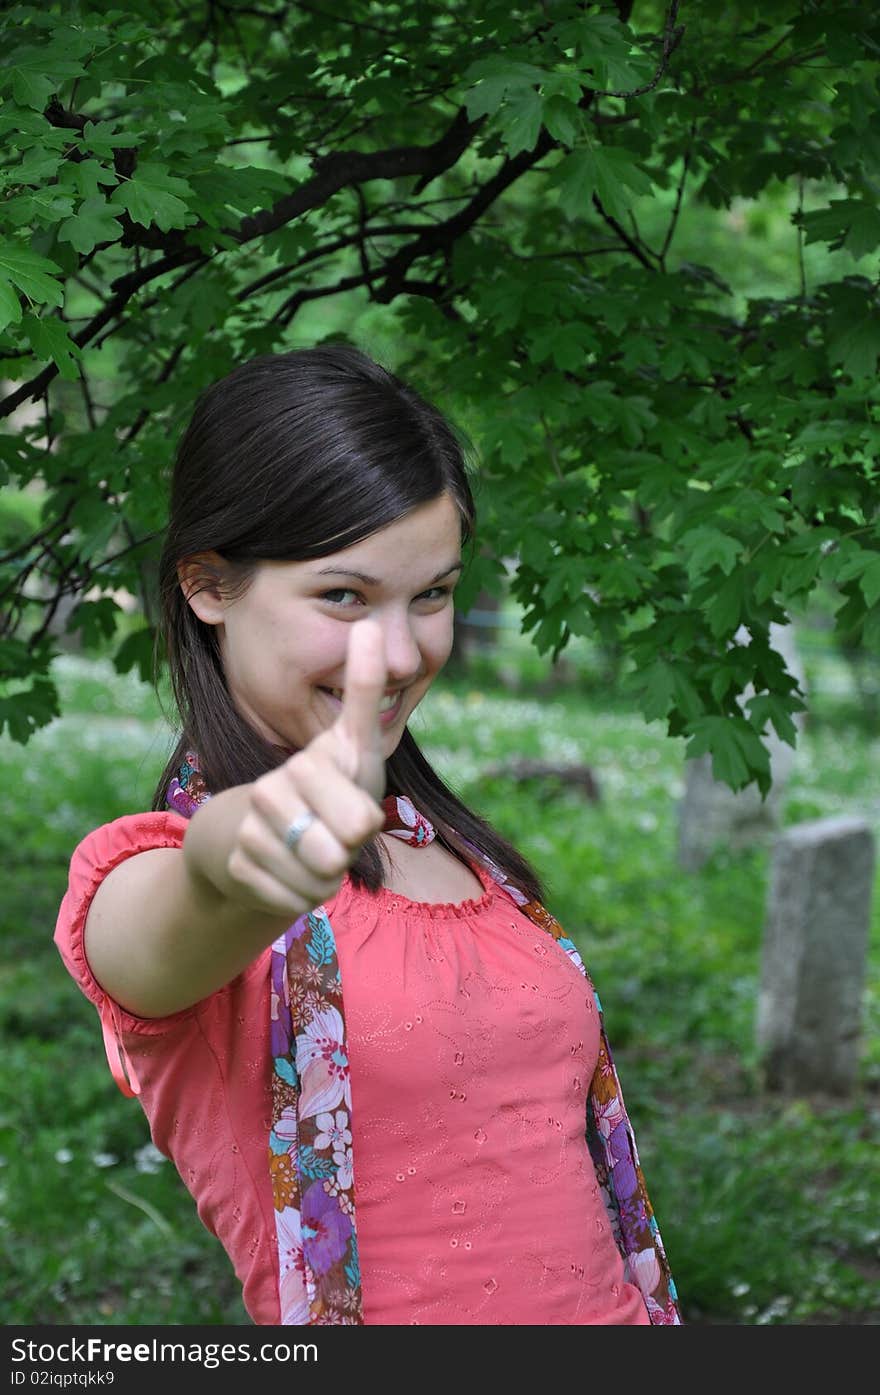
<point x="711" y="814"/>
<point x="815" y="948"/>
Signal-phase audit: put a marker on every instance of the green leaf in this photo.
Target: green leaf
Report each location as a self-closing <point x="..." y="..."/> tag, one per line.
<point x="494" y="78"/>
<point x="870" y="582"/>
<point x="93" y="223"/>
<point x="566" y="344"/>
<point x="38" y="167"/>
<point x="724" y="611"/>
<point x="615" y="173"/>
<point x="850" y="223"/>
<point x="619" y="577"/>
<point x="657" y="682"/>
<point x="30" y="273"/>
<point x="829" y="224"/>
<point x="31" y="89"/>
<point x="687" y="698"/>
<point x="770" y="707"/>
<point x="37" y="73"/>
<point x="706" y="548"/>
<point x="856" y="347"/>
<point x="561" y="84"/>
<point x="563" y="119"/>
<point x="847" y="562"/>
<point x="520" y="122"/>
<point x="25" y="712"/>
<point x="87" y="176"/>
<point x="512" y="440"/>
<point x="605" y="43"/>
<point x="738" y="755"/>
<point x="800" y="574"/>
<point x="864" y="231"/>
<point x="136" y="651"/>
<point x="604" y="170"/>
<point x="575" y="177"/>
<point x="103" y="138"/>
<point x="152" y="195"/>
<point x="96" y="620"/>
<point x="38" y="207"/>
<point x="721" y="682"/>
<point x="51" y="342"/>
<point x="10" y="305"/>
<point x="220" y="189"/>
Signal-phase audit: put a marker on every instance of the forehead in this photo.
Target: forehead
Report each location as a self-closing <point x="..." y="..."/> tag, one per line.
<point x="416" y="547"/>
<point x="427" y="537"/>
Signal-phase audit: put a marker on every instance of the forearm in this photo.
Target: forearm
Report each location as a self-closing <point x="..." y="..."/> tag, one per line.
<point x="210" y="837"/>
<point x="163" y="931"/>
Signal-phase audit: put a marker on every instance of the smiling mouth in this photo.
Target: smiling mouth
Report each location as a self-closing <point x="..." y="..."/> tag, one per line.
<point x="389" y="703"/>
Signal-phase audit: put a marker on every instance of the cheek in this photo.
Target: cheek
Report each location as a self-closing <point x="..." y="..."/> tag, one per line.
<point x="317" y="646"/>
<point x="440" y="642"/>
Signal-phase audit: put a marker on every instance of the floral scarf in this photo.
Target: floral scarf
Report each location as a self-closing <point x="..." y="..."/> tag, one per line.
<point x="309" y="1154"/>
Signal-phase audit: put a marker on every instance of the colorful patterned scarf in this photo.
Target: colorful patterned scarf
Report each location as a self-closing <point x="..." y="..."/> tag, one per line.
<point x="310" y="1153"/>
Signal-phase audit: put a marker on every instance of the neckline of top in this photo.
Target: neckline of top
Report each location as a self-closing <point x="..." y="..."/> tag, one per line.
<point x="440" y="910"/>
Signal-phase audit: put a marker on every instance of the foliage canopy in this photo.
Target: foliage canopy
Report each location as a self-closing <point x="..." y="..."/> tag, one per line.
<point x="497" y="194"/>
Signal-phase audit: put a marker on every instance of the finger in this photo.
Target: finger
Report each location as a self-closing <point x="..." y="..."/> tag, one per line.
<point x="315" y="862"/>
<point x="347" y="811"/>
<point x="365" y="677"/>
<point x="274" y="894"/>
<point x="346" y="815"/>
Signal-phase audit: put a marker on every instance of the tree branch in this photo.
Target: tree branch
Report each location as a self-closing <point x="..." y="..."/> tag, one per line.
<point x="624" y="236"/>
<point x="670" y="231"/>
<point x="345" y="167"/>
<point x="445" y="234"/>
<point x="672" y="37"/>
<point x="333" y="173"/>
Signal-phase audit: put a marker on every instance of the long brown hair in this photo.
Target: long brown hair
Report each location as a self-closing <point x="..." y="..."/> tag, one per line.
<point x="290" y="457"/>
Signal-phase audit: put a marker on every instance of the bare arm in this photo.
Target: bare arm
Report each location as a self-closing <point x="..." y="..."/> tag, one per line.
<point x="160" y="936"/>
<point x="169" y="926"/>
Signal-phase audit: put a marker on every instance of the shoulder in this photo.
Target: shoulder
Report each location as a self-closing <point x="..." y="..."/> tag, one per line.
<point x="93" y="859"/>
<point x="123" y="837"/>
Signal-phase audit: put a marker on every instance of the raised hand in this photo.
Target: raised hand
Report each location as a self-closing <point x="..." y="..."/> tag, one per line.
<point x="354" y="742"/>
<point x="339" y="776"/>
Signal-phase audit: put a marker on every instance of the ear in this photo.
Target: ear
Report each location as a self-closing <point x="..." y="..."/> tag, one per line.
<point x="201" y="578"/>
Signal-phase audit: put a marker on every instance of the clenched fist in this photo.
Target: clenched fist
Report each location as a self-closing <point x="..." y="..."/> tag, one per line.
<point x="339" y="776"/>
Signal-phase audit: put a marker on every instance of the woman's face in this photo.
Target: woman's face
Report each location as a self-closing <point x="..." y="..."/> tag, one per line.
<point x="284" y="642"/>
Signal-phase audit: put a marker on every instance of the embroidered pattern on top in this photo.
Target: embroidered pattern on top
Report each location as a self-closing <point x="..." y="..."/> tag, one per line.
<point x="310" y="1143"/>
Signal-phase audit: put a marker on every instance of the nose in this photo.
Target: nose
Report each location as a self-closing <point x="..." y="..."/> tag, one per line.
<point x="403" y="657"/>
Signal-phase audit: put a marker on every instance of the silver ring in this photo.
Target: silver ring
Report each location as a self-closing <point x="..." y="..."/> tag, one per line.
<point x="298" y="828"/>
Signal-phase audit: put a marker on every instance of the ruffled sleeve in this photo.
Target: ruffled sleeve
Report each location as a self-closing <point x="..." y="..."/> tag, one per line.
<point x="98" y="853"/>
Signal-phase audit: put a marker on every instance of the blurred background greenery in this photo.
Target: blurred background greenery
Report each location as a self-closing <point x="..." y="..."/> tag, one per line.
<point x="768" y="1208"/>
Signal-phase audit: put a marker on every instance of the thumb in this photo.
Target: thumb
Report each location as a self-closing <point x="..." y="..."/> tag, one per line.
<point x="365" y="678"/>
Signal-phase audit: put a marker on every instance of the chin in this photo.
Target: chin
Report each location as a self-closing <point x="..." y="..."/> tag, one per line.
<point x="391" y="741"/>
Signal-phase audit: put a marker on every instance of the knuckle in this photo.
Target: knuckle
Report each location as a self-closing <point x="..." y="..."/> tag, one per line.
<point x="333" y="866"/>
<point x="303" y="763"/>
<point x="249" y="838"/>
<point x="369" y="826"/>
<point x="237" y="865"/>
<point x="363" y="820"/>
<point x="294" y="771"/>
<point x="263" y="799"/>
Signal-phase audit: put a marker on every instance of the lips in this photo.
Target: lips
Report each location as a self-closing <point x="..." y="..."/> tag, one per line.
<point x="386" y="714"/>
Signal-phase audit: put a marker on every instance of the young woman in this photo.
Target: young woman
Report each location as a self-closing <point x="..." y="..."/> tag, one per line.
<point x="373" y="1056"/>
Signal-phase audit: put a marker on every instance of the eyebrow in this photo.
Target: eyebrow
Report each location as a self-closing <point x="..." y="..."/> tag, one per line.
<point x="373" y="581"/>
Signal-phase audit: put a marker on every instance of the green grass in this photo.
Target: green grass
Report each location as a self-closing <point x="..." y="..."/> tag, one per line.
<point x="768" y="1208"/>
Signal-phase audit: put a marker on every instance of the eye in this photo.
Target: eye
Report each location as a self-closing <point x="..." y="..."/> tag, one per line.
<point x="328" y="595"/>
<point x="338" y="596"/>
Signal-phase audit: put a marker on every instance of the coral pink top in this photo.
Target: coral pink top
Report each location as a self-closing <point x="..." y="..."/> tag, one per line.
<point x="472" y="1043"/>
